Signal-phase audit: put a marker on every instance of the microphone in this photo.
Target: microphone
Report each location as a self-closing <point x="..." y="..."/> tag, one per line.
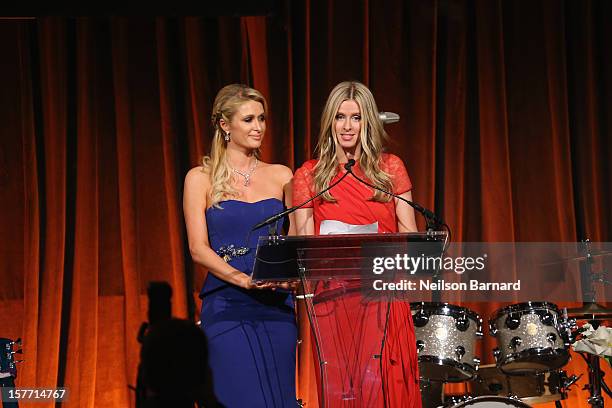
<point x="428" y="214"/>
<point x="288" y="211"/>
<point x="348" y="165"/>
<point x="388" y="117"/>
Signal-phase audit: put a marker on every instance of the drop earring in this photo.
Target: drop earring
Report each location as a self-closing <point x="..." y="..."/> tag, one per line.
<point x="226" y="136"/>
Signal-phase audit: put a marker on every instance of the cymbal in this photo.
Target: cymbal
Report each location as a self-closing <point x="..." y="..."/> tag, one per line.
<point x="590" y="311"/>
<point x="584" y="257"/>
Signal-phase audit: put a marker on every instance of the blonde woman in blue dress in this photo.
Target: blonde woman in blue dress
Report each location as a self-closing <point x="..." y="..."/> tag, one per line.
<point x="250" y="328"/>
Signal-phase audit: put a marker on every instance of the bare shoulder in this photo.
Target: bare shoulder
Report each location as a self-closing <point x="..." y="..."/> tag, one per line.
<point x="278" y="172"/>
<point x="197" y="177"/>
<point x="283" y="172"/>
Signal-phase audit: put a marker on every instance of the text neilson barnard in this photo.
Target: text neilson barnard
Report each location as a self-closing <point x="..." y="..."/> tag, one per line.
<point x="425" y="284"/>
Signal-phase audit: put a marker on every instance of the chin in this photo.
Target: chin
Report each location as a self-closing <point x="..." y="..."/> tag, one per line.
<point x="255" y="145"/>
<point x="348" y="145"/>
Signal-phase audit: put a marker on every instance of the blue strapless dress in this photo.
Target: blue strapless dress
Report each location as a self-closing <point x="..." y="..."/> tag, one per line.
<point x="251" y="334"/>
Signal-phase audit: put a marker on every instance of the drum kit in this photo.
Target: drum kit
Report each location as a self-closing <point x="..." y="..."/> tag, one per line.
<point x="532" y="339"/>
<point x="532" y="346"/>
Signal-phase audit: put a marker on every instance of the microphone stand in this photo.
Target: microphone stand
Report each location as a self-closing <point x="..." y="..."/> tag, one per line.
<point x="276" y="217"/>
<point x="433" y="222"/>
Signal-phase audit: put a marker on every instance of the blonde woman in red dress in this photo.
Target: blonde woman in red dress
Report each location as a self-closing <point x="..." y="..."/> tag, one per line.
<point x="351" y="129"/>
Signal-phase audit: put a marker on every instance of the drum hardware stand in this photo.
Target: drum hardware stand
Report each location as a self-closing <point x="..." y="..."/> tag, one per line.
<point x="596" y="382"/>
<point x="590" y="310"/>
<point x="593" y="313"/>
<point x="568" y="382"/>
<point x="565" y="383"/>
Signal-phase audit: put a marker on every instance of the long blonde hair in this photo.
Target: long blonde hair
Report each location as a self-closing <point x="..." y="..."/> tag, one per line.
<point x="226" y="104"/>
<point x="371" y="134"/>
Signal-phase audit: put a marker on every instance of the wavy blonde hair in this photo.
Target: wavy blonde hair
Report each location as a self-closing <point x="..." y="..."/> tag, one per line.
<point x="226" y="104"/>
<point x="371" y="135"/>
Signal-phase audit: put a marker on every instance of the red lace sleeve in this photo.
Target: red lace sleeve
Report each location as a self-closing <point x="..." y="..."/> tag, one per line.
<point x="394" y="166"/>
<point x="303" y="184"/>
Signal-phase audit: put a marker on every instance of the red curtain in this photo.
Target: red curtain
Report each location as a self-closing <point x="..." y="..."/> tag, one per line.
<point x="505" y="131"/>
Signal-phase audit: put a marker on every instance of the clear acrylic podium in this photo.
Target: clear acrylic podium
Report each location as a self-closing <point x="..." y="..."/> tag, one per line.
<point x="349" y="320"/>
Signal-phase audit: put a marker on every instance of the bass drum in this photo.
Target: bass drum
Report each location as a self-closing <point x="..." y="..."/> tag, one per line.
<point x="532" y="388"/>
<point x="490" y="402"/>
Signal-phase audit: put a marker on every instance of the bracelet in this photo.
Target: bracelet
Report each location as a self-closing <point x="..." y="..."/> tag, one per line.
<point x="230" y="252"/>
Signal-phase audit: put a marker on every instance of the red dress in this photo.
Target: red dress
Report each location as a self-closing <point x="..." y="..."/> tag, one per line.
<point x="352" y="323"/>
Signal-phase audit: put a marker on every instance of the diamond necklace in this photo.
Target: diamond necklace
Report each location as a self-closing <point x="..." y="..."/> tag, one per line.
<point x="247" y="176"/>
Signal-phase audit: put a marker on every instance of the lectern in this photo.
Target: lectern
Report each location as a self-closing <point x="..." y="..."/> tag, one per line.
<point x="348" y="317"/>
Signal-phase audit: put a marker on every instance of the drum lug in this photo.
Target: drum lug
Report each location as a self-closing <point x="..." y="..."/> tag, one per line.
<point x="459" y="352"/>
<point x="476" y="361"/>
<point x="547" y="319"/>
<point x="565" y="330"/>
<point x="462" y="323"/>
<point x="420" y="344"/>
<point x="513" y="321"/>
<point x="420" y="318"/>
<point x="515" y="343"/>
<point x="551" y="338"/>
<point x="496" y="353"/>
